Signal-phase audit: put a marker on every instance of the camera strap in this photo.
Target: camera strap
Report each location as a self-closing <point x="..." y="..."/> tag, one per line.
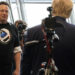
<point x="51" y="68"/>
<point x="47" y="42"/>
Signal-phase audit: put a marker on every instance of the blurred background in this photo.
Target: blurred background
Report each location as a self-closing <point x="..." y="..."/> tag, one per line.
<point x="32" y="11"/>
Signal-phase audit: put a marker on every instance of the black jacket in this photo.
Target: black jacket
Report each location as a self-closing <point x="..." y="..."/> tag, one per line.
<point x="63" y="52"/>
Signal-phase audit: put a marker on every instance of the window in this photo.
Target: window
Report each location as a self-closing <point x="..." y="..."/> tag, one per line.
<point x="35" y="13"/>
<point x="37" y="0"/>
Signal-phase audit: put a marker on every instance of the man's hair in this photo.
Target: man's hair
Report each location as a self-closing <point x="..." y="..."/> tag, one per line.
<point x="62" y="8"/>
<point x="20" y="21"/>
<point x="4" y="3"/>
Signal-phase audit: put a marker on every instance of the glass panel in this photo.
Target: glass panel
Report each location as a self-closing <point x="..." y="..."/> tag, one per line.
<point x="10" y="0"/>
<point x="35" y="13"/>
<point x="37" y="0"/>
<point x="72" y="17"/>
<point x="2" y="0"/>
<point x="13" y="0"/>
<point x="14" y="12"/>
<point x="40" y="0"/>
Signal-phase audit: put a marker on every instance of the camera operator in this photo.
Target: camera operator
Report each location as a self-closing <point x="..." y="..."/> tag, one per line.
<point x="21" y="26"/>
<point x="63" y="53"/>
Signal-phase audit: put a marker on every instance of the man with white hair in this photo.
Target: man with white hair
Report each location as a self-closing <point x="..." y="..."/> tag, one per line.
<point x="64" y="50"/>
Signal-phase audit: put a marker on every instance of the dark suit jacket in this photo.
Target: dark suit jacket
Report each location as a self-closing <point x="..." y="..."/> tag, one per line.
<point x="34" y="53"/>
<point x="63" y="52"/>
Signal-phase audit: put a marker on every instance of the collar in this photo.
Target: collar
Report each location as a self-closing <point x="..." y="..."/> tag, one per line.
<point x="60" y="18"/>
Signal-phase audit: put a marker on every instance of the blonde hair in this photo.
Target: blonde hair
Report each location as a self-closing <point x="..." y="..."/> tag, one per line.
<point x="62" y="8"/>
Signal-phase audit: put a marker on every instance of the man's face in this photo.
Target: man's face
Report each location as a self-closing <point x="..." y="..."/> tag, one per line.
<point x="3" y="13"/>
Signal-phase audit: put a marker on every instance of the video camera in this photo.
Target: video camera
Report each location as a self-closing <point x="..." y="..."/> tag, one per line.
<point x="21" y="27"/>
<point x="49" y="24"/>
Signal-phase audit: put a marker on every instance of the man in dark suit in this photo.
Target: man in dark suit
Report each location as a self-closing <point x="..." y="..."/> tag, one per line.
<point x="64" y="50"/>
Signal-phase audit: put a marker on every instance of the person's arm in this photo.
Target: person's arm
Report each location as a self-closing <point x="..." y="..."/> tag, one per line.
<point x="17" y="52"/>
<point x="17" y="60"/>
